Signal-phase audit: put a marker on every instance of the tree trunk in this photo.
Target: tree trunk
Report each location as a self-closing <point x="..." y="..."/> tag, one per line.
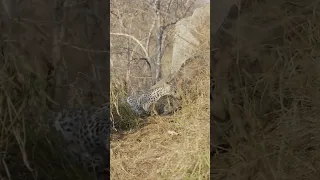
<point x="159" y="43"/>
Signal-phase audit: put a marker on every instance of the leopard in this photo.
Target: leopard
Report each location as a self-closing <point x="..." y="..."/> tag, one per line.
<point x="86" y="132"/>
<point x="141" y="104"/>
<point x="134" y="103"/>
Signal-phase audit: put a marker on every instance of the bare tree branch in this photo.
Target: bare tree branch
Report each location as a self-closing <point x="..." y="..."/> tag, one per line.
<point x="149" y="35"/>
<point x="138" y="42"/>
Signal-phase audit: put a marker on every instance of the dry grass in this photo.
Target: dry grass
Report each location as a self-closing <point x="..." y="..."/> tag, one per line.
<point x="174" y="147"/>
<point x="275" y="87"/>
<point x="29" y="147"/>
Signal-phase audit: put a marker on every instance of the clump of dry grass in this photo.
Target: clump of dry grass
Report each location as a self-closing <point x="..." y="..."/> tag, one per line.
<point x="122" y="115"/>
<point x="275" y="86"/>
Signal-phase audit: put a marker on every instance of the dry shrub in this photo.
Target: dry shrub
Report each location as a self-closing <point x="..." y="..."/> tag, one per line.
<point x="274" y="82"/>
<point x="121" y="114"/>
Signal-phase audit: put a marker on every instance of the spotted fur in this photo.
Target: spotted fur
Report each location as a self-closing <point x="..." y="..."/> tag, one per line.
<point x="86" y="132"/>
<point x="141" y="104"/>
